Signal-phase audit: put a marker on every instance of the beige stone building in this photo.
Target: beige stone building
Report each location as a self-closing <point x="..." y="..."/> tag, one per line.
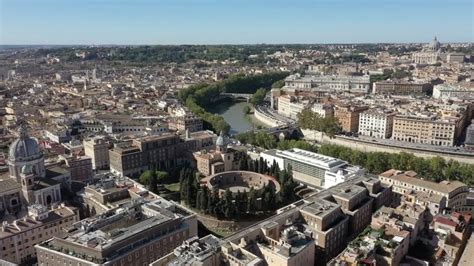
<point x="141" y="154"/>
<point x="97" y="149"/>
<point x="455" y="192"/>
<point x="402" y="88"/>
<point x="426" y="130"/>
<point x="19" y="237"/>
<point x="188" y="122"/>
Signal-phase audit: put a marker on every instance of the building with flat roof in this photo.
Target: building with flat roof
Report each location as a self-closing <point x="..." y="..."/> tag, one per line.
<point x="348" y="116"/>
<point x="312" y="169"/>
<point x="192" y="123"/>
<point x="402" y="182"/>
<point x="97" y="149"/>
<point x="133" y="158"/>
<point x="138" y="232"/>
<point x="376" y="123"/>
<point x="402" y="88"/>
<point x="452" y="91"/>
<point x="107" y="192"/>
<point x="357" y="84"/>
<point x="291" y="106"/>
<point x="426" y="129"/>
<point x="80" y="167"/>
<point x="329" y="225"/>
<point x="203" y="251"/>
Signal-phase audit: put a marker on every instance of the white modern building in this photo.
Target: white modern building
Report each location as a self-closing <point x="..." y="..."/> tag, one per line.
<point x="376" y="123"/>
<point x="449" y="91"/>
<point x="313" y="169"/>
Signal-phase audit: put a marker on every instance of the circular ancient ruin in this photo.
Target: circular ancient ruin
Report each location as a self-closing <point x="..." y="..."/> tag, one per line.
<point x="241" y="181"/>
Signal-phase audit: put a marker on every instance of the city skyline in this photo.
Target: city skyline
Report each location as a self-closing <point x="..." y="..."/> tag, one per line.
<point x="144" y="22"/>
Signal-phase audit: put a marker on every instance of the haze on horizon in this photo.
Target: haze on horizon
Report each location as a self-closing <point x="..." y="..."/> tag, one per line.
<point x="121" y="22"/>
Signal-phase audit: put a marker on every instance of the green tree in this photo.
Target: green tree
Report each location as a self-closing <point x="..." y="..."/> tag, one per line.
<point x="145" y="177"/>
<point x="153" y="187"/>
<point x="252" y="201"/>
<point x="247" y="110"/>
<point x="278" y="84"/>
<point x="258" y="96"/>
<point x="162" y="176"/>
<point x="229" y="209"/>
<point x="308" y="119"/>
<point x="265" y="140"/>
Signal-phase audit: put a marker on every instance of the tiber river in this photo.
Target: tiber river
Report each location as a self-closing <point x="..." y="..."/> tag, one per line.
<point x="233" y="113"/>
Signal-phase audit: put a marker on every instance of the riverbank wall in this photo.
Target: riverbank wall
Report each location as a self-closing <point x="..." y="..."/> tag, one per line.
<point x="265" y="119"/>
<point x="367" y="146"/>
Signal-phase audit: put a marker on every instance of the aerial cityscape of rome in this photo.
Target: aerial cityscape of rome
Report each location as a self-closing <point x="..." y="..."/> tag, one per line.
<point x="236" y="132"/>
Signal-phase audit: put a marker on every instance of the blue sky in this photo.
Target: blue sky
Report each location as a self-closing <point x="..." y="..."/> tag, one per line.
<point x="233" y="21"/>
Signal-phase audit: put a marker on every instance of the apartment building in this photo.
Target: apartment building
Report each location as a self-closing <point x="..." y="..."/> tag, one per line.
<point x="452" y="233"/>
<point x="194" y="251"/>
<point x="348" y="116"/>
<point x="139" y="232"/>
<point x="426" y="129"/>
<point x="125" y="159"/>
<point x="451" y="91"/>
<point x="402" y="88"/>
<point x="329" y="224"/>
<point x="192" y="123"/>
<point x="455" y="58"/>
<point x="376" y="123"/>
<point x="323" y="110"/>
<point x="80" y="167"/>
<point x="409" y="216"/>
<point x="133" y="158"/>
<point x="356" y="203"/>
<point x="19" y="237"/>
<point x="356" y="84"/>
<point x="123" y="124"/>
<point x="98" y="150"/>
<point x="455" y="192"/>
<point x="291" y="106"/>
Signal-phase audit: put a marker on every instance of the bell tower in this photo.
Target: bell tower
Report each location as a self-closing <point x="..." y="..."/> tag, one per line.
<point x="27" y="178"/>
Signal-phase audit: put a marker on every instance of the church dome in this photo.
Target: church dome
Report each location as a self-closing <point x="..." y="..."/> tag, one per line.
<point x="435" y="45"/>
<point x="24" y="148"/>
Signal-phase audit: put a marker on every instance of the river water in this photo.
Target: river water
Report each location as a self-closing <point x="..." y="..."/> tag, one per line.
<point x="233" y="113"/>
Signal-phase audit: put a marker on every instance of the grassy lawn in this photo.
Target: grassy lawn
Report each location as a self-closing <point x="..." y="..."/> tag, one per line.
<point x="173" y="187"/>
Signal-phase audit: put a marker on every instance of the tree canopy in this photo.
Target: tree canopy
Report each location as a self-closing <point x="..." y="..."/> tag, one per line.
<point x="434" y="169"/>
<point x="258" y="96"/>
<point x="308" y="119"/>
